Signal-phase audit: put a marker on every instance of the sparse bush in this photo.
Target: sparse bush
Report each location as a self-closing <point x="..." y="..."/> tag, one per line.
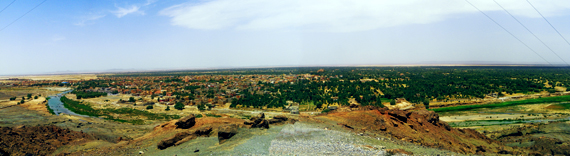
<point x="325" y="111"/>
<point x="179" y="106"/>
<point x="198" y="115"/>
<point x="201" y="107"/>
<point x="213" y="115"/>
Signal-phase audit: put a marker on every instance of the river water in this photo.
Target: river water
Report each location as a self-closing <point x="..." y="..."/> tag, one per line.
<point x="57" y="106"/>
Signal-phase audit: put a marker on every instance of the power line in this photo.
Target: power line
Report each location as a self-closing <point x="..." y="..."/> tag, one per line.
<point x="548" y="22"/>
<point x="7" y="6"/>
<point x="23" y="15"/>
<point x="531" y="32"/>
<point x="508" y="31"/>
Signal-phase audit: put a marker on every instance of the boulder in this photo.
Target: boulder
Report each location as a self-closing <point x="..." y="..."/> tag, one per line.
<point x="186" y="122"/>
<point x="278" y="119"/>
<point x="182" y="137"/>
<point x="261" y="115"/>
<point x="281" y="117"/>
<point x="225" y="132"/>
<point x="258" y="121"/>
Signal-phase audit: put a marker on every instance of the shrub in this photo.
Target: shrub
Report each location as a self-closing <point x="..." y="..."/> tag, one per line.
<point x="201" y="107"/>
<point x="167" y="108"/>
<point x="132" y="99"/>
<point x="325" y="111"/>
<point x="393" y="102"/>
<point x="179" y="106"/>
<point x="149" y="107"/>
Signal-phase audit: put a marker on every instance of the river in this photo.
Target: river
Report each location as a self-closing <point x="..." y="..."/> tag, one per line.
<point x="57" y="106"/>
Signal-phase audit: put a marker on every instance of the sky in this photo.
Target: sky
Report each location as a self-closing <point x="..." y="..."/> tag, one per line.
<point x="61" y="36"/>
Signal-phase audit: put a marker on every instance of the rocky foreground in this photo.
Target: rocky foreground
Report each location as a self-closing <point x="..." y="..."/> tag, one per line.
<point x="361" y="131"/>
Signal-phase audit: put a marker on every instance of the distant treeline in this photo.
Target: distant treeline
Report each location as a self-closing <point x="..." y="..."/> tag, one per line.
<point x="371" y="85"/>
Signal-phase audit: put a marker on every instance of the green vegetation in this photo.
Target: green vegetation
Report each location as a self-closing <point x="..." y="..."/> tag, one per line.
<point x="201" y="107"/>
<point x="198" y="115"/>
<point x="213" y="115"/>
<point x="29" y="96"/>
<point x="149" y="107"/>
<point x="49" y="109"/>
<point x="132" y="99"/>
<point x="86" y="109"/>
<point x="12" y="98"/>
<point x="393" y="102"/>
<point x="88" y="94"/>
<point x="505" y="104"/>
<point x="426" y="103"/>
<point x="167" y="108"/>
<point x="325" y="111"/>
<point x="179" y="106"/>
<point x="369" y="86"/>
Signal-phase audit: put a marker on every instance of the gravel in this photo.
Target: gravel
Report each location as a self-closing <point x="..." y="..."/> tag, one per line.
<point x="305" y="139"/>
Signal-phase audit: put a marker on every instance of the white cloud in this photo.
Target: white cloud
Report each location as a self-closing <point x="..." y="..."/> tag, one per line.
<point x="338" y="15"/>
<point x="87" y="20"/>
<point x="120" y="12"/>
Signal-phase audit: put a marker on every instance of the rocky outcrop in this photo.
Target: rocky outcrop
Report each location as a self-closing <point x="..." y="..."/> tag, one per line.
<point x="278" y="119"/>
<point x="182" y="137"/>
<point x="225" y="132"/>
<point x="186" y="122"/>
<point x="40" y="140"/>
<point x="258" y="121"/>
<point x="420" y="127"/>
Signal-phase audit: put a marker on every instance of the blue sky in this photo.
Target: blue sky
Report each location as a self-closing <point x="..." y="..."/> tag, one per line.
<point x="104" y="35"/>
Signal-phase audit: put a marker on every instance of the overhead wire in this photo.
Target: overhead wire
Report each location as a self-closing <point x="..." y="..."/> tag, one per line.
<point x="7" y="6"/>
<point x="531" y="32"/>
<point x="548" y="22"/>
<point x="23" y="15"/>
<point x="508" y="32"/>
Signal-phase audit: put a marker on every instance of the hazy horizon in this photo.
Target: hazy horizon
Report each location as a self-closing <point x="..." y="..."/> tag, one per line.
<point x="99" y="36"/>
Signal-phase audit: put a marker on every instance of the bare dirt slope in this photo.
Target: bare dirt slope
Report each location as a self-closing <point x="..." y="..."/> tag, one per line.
<point x="419" y="127"/>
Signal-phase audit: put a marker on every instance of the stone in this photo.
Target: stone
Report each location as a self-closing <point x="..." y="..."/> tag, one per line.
<point x="261" y="115"/>
<point x="183" y="137"/>
<point x="186" y="122"/>
<point x="225" y="132"/>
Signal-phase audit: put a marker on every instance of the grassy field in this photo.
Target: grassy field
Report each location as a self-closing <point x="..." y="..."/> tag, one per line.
<point x="86" y="109"/>
<point x="505" y="104"/>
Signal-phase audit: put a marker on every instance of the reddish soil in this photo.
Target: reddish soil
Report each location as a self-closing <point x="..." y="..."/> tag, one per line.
<point x="41" y="140"/>
<point x="420" y="127"/>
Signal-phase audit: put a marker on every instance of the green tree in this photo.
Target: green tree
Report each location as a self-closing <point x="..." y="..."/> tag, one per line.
<point x="179" y="106"/>
<point x="426" y="103"/>
<point x="132" y="99"/>
<point x="393" y="102"/>
<point x="21" y="102"/>
<point x="201" y="107"/>
<point x="149" y="107"/>
<point x="35" y="97"/>
<point x="167" y="108"/>
<point x="29" y="96"/>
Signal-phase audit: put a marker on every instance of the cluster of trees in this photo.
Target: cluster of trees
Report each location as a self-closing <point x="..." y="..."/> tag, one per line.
<point x="87" y="94"/>
<point x="416" y="84"/>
